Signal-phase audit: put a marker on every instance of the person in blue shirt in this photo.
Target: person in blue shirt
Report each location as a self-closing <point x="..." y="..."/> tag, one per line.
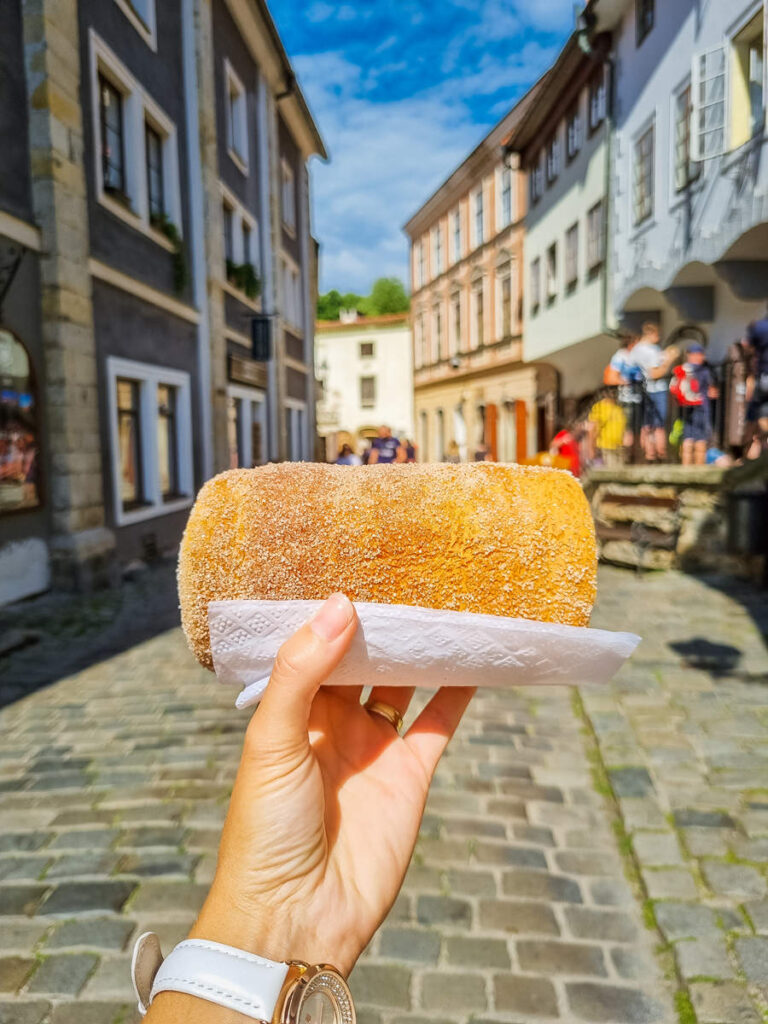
<point x="385" y="448"/>
<point x="757" y="388"/>
<point x="697" y="423"/>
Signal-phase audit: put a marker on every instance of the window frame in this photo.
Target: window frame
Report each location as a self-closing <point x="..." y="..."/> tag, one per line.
<point x="107" y="83"/>
<point x="236" y="123"/>
<point x="478" y="214"/>
<point x="693" y="167"/>
<point x="504" y="271"/>
<point x="553" y="158"/>
<point x="250" y="399"/>
<point x="295" y="412"/>
<point x="535" y="284"/>
<point x="138" y="109"/>
<point x="457" y="248"/>
<point x="293" y="295"/>
<point x="366" y="355"/>
<point x="571" y="268"/>
<point x="150" y="129"/>
<point x="367" y="379"/>
<point x="596" y="254"/>
<point x="456" y="322"/>
<point x="574" y="131"/>
<point x="699" y="127"/>
<point x="288" y="197"/>
<point x="478" y="319"/>
<point x="242" y="218"/>
<point x="149" y="376"/>
<point x="551" y="275"/>
<point x="147" y="28"/>
<point x="597" y="99"/>
<point x="536" y="178"/>
<point x="504" y="178"/>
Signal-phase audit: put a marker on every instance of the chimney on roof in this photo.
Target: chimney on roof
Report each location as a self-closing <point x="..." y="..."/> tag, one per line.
<point x="348" y="316"/>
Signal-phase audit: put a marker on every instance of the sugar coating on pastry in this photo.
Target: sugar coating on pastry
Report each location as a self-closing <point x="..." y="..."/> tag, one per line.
<point x="482" y="537"/>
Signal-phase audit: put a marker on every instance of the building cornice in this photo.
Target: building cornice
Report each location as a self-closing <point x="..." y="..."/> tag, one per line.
<point x="20" y="231"/>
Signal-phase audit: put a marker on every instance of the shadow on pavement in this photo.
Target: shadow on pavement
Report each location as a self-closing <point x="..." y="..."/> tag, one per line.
<point x="55" y="635"/>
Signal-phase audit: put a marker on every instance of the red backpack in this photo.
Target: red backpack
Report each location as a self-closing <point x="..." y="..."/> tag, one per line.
<point x="684" y="387"/>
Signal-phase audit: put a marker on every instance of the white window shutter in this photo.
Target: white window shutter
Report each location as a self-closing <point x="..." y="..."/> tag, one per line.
<point x="709" y="121"/>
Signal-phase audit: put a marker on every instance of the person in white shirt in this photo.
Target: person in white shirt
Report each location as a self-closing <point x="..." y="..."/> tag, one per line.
<point x="655" y="365"/>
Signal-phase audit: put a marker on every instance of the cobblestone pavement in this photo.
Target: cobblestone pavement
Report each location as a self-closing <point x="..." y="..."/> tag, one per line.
<point x="593" y="857"/>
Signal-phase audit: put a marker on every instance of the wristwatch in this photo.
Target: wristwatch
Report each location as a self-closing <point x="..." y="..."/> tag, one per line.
<point x="266" y="991"/>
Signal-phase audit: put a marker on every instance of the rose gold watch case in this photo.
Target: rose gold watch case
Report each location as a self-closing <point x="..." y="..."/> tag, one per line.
<point x="303" y="981"/>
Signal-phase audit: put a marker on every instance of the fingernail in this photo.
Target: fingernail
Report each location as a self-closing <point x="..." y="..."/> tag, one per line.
<point x="333" y="618"/>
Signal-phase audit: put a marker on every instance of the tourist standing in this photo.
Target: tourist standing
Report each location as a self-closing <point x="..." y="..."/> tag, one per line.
<point x="655" y="365"/>
<point x="385" y="448"/>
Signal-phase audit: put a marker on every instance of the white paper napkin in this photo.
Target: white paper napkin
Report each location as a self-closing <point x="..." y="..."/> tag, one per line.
<point x="398" y="645"/>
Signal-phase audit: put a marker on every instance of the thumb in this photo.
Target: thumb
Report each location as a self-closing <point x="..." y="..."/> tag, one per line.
<point x="303" y="663"/>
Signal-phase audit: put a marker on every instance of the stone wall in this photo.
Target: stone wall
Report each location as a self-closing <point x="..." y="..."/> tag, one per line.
<point x="663" y="517"/>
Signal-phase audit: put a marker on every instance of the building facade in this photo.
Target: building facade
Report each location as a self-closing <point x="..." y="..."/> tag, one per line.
<point x="160" y="193"/>
<point x="563" y="143"/>
<point x="364" y="365"/>
<point x="690" y="175"/>
<point x="473" y="393"/>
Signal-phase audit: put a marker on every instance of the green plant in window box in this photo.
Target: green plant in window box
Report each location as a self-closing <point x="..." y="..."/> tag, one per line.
<point x="162" y="223"/>
<point x="244" y="277"/>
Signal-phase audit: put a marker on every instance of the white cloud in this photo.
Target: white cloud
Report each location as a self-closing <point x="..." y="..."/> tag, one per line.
<point x="387" y="157"/>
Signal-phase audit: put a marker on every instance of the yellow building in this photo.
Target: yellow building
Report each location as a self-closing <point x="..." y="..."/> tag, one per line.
<point x="473" y="394"/>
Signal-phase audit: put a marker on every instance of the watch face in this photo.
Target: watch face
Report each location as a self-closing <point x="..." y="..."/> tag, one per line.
<point x="326" y="1000"/>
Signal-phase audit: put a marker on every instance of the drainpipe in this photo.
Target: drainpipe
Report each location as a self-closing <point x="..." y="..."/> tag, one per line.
<point x="197" y="236"/>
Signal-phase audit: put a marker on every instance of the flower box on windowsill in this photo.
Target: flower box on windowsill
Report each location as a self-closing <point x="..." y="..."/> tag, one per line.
<point x="243" y="276"/>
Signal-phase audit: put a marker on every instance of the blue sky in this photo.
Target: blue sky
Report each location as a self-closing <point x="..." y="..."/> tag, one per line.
<point x="402" y="90"/>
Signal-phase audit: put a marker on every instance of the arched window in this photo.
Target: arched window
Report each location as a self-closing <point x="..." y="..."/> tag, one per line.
<point x="19" y="438"/>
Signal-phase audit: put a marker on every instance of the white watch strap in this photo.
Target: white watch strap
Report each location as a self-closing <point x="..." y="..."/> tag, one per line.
<point x="209" y="970"/>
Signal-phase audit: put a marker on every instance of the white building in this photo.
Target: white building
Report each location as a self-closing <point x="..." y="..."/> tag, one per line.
<point x="364" y="366"/>
<point x="562" y="142"/>
<point x="689" y="219"/>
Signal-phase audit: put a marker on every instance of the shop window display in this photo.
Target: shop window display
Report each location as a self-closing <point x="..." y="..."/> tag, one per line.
<point x="19" y="438"/>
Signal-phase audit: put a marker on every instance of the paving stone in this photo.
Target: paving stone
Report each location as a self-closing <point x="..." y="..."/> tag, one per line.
<point x="753" y="956"/>
<point x="539" y="886"/>
<point x="112" y="977"/>
<point x="81" y="897"/>
<point x="758" y="914"/>
<point x="14" y="971"/>
<point x="632" y="782"/>
<point x="657" y="849"/>
<point x="82" y="863"/>
<point x="723" y="1004"/>
<point x="63" y="974"/>
<point x="642" y="813"/>
<point x="610" y="892"/>
<point x="465" y="882"/>
<point x="528" y="996"/>
<point x="27" y="1012"/>
<point x="533" y="834"/>
<point x="21" y="899"/>
<point x="687" y="816"/>
<point x="668" y="883"/>
<point x="603" y="925"/>
<point x="521" y="856"/>
<point x="28" y="868"/>
<point x="381" y="985"/>
<point x="410" y="944"/>
<point x="443" y="910"/>
<point x="684" y="920"/>
<point x="440" y="991"/>
<point x="84" y="839"/>
<point x="21" y="935"/>
<point x="471" y="952"/>
<point x="153" y="835"/>
<point x="703" y="958"/>
<point x="163" y="896"/>
<point x="23" y="842"/>
<point x="736" y="880"/>
<point x="152" y="864"/>
<point x="518" y="918"/>
<point x="607" y="1003"/>
<point x="634" y="964"/>
<point x="93" y="932"/>
<point x="551" y="958"/>
<point x="707" y="842"/>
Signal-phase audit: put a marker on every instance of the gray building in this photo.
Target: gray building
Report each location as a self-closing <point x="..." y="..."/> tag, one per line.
<point x="155" y="205"/>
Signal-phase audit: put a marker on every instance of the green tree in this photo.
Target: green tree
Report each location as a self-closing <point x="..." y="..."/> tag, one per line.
<point x="388" y="295"/>
<point x="329" y="305"/>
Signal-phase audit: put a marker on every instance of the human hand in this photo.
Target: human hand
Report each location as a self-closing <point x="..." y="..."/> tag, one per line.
<point x="326" y="806"/>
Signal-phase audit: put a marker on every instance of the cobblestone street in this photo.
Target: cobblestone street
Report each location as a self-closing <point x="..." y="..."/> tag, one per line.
<point x="597" y="856"/>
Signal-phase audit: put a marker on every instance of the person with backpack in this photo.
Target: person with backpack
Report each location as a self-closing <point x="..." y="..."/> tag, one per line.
<point x="692" y="387"/>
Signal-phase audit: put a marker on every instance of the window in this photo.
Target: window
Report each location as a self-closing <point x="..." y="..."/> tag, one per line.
<point x="155" y="192"/>
<point x="135" y="149"/>
<point x="456" y="323"/>
<point x="505" y="208"/>
<point x="237" y="118"/>
<point x="246" y="427"/>
<point x="420" y="342"/>
<point x="686" y="170"/>
<point x="572" y="256"/>
<point x="597" y="98"/>
<point x="644" y="14"/>
<point x="367" y="392"/>
<point x="748" y="70"/>
<point x="440" y="434"/>
<point x="595" y="235"/>
<point x="292" y="304"/>
<point x="112" y="137"/>
<point x="642" y="177"/>
<point x="19" y="428"/>
<point x="247" y="244"/>
<point x="504" y="292"/>
<point x="553" y="159"/>
<point x="295" y="430"/>
<point x="166" y="441"/>
<point x="537" y="179"/>
<point x="709" y="91"/>
<point x="229" y="232"/>
<point x="437" y="249"/>
<point x="437" y="353"/>
<point x="422" y="264"/>
<point x="288" y="196"/>
<point x="550" y="283"/>
<point x="478" y="325"/>
<point x="129" y="435"/>
<point x="367" y="349"/>
<point x="479" y="217"/>
<point x="151" y="439"/>
<point x="573" y="132"/>
<point x="535" y="286"/>
<point x="456" y="234"/>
